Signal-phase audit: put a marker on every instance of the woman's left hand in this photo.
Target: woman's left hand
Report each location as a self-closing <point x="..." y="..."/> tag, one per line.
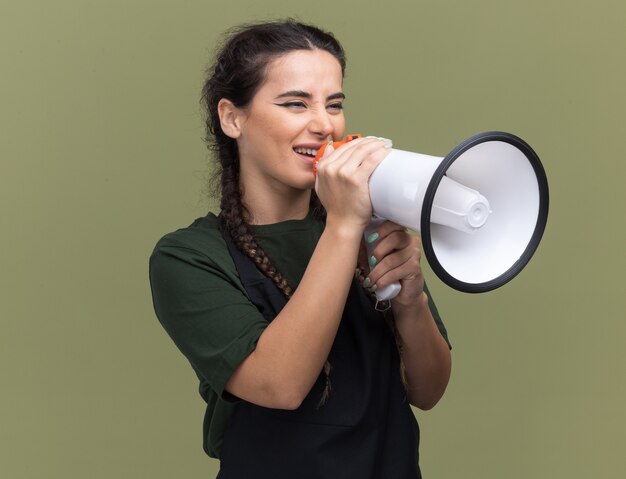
<point x="425" y="353"/>
<point x="396" y="257"/>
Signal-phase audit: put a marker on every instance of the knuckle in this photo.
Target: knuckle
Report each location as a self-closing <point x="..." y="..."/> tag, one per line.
<point x="415" y="264"/>
<point x="344" y="175"/>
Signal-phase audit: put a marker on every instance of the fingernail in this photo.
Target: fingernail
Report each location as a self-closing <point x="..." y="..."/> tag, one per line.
<point x="366" y="282"/>
<point x="372" y="261"/>
<point x="373" y="237"/>
<point x="328" y="150"/>
<point x="373" y="289"/>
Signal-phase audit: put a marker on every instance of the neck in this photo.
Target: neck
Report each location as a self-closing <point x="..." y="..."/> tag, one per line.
<point x="270" y="206"/>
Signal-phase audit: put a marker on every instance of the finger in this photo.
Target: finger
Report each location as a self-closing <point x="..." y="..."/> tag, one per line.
<point x="371" y="162"/>
<point x="354" y="153"/>
<point x="351" y="145"/>
<point x="319" y="163"/>
<point x="396" y="240"/>
<point x="397" y="261"/>
<point x="358" y="165"/>
<point x="394" y="251"/>
<point x="387" y="227"/>
<point x="327" y="151"/>
<point x="327" y="155"/>
<point x="406" y="273"/>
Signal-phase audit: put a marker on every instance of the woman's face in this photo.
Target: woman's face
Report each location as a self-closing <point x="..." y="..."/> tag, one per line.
<point x="295" y="111"/>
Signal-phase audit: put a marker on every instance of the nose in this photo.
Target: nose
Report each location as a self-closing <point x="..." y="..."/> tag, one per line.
<point x="321" y="123"/>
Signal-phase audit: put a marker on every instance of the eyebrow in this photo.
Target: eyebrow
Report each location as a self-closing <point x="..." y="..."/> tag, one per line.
<point x="307" y="95"/>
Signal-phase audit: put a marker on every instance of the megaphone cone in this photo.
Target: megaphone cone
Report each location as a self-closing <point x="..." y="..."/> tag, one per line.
<point x="481" y="210"/>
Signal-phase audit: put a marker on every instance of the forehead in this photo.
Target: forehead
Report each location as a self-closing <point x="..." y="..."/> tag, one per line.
<point x="307" y="70"/>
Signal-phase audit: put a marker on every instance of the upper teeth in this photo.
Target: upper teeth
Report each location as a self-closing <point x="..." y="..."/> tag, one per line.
<point x="306" y="151"/>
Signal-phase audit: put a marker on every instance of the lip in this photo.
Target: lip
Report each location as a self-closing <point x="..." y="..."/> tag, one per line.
<point x="305" y="158"/>
<point x="312" y="146"/>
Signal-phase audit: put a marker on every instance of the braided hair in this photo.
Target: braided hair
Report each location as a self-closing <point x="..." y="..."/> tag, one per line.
<point x="237" y="73"/>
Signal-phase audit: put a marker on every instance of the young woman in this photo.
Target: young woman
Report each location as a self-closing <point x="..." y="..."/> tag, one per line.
<point x="302" y="376"/>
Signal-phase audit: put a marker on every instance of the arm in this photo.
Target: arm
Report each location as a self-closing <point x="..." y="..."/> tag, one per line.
<point x="292" y="350"/>
<point x="425" y="352"/>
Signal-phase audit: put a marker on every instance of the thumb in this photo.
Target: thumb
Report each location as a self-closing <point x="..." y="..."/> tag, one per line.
<point x="328" y="151"/>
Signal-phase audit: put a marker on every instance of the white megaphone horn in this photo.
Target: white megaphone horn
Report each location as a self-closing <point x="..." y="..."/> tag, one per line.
<point x="481" y="210"/>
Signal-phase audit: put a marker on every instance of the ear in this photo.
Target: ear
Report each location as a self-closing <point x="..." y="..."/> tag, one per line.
<point x="231" y="118"/>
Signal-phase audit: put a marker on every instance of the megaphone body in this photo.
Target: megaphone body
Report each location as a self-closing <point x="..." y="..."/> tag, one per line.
<point x="481" y="210"/>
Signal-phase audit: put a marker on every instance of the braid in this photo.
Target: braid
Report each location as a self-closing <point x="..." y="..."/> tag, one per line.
<point x="236" y="217"/>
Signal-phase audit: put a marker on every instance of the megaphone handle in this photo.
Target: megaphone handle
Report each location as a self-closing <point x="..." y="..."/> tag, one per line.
<point x="389" y="291"/>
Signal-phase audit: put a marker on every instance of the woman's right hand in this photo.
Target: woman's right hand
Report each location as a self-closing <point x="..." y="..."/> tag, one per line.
<point x="342" y="180"/>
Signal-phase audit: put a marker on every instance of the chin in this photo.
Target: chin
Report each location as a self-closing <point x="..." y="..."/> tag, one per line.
<point x="304" y="185"/>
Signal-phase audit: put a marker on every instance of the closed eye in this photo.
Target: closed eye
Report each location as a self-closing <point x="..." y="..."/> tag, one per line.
<point x="335" y="106"/>
<point x="292" y="104"/>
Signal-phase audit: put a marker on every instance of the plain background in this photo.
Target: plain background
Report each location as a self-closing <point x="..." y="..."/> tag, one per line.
<point x="101" y="154"/>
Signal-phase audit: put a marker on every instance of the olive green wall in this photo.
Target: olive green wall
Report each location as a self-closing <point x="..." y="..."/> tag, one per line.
<point x="101" y="154"/>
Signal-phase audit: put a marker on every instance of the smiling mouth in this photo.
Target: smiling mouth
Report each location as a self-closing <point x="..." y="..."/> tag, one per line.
<point x="310" y="152"/>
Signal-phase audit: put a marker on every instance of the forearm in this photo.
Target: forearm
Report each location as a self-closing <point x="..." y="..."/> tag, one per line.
<point x="425" y="353"/>
<point x="292" y="350"/>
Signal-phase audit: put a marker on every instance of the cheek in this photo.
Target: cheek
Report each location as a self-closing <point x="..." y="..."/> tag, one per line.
<point x="340" y="127"/>
<point x="266" y="132"/>
<point x="280" y="128"/>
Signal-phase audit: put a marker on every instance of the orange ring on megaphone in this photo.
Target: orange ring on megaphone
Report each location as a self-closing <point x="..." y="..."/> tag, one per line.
<point x="336" y="144"/>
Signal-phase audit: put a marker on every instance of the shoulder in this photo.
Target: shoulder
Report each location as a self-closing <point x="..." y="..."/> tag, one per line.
<point x="202" y="236"/>
<point x="199" y="246"/>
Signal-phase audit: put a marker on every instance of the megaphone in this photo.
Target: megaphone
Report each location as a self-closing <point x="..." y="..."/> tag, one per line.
<point x="481" y="210"/>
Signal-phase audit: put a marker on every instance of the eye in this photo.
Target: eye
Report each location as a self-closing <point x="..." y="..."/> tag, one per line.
<point x="335" y="106"/>
<point x="292" y="104"/>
